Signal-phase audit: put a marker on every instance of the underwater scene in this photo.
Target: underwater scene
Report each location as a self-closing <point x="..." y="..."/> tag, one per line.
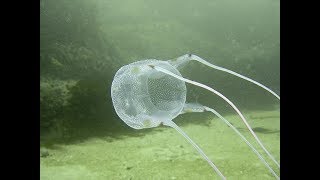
<point x="150" y="89"/>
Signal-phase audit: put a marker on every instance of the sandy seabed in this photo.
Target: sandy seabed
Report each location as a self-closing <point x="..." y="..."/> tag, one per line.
<point x="164" y="154"/>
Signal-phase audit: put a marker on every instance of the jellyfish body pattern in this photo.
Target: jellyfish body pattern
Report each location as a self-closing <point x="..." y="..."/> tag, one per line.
<point x="145" y="98"/>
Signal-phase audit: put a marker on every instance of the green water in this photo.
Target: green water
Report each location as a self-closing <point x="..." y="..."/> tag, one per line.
<point x="82" y="45"/>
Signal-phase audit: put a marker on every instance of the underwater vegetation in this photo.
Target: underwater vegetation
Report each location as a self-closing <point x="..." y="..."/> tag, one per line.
<point x="75" y="66"/>
<point x="84" y="43"/>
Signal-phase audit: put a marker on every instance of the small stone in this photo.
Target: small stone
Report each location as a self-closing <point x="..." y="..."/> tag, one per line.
<point x="44" y="152"/>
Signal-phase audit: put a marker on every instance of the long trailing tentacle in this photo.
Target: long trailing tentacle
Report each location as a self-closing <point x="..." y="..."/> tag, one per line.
<point x="189" y="57"/>
<point x="226" y="99"/>
<point x="243" y="138"/>
<point x="173" y="125"/>
<point x="196" y="107"/>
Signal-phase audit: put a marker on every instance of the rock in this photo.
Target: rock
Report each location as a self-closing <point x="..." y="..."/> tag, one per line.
<point x="44" y="152"/>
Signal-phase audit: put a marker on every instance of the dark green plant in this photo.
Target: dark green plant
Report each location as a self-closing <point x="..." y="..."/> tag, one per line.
<point x="54" y="95"/>
<point x="88" y="100"/>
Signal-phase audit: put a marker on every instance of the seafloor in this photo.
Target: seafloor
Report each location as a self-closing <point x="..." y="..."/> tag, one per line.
<point x="162" y="153"/>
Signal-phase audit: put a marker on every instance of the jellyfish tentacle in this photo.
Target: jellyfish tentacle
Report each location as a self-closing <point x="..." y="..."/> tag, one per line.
<point x="196" y="107"/>
<point x="227" y="100"/>
<point x="243" y="138"/>
<point x="188" y="57"/>
<point x="177" y="128"/>
<point x="180" y="61"/>
<point x="192" y="107"/>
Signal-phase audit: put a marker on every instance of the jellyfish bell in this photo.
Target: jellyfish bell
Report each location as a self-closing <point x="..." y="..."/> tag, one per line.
<point x="145" y="98"/>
